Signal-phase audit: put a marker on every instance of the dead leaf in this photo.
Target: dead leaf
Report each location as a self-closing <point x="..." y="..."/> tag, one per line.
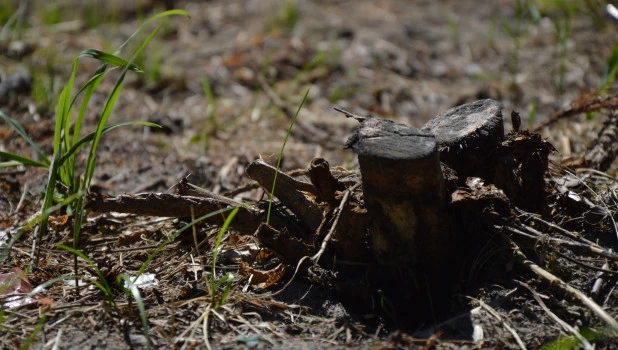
<point x="263" y="279"/>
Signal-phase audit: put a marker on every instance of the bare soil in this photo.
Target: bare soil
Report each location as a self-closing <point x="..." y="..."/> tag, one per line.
<point x="402" y="60"/>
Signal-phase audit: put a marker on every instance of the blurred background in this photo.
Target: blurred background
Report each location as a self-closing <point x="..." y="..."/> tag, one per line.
<point x="223" y="83"/>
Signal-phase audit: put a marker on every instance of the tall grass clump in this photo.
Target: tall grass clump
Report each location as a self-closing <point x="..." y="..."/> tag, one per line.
<point x="64" y="179"/>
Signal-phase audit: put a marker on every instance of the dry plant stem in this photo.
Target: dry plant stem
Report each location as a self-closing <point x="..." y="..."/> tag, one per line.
<point x="567" y="327"/>
<point x="240" y="319"/>
<point x="567" y="233"/>
<point x="594" y="268"/>
<point x="168" y="205"/>
<point x="591" y="250"/>
<point x="21" y="199"/>
<point x="265" y="174"/>
<point x="286" y="191"/>
<point x="349" y="114"/>
<point x="308" y="131"/>
<point x="584" y="104"/>
<point x="554" y="281"/>
<point x="495" y="314"/>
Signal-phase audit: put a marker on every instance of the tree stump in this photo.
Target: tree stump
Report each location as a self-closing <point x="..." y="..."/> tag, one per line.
<point x="467" y="135"/>
<point x="403" y="189"/>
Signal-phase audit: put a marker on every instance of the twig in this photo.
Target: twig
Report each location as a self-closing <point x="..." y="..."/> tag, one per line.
<point x="594" y="268"/>
<point x="567" y="233"/>
<point x="349" y="114"/>
<point x="555" y="281"/>
<point x="316" y="257"/>
<point x="567" y="327"/>
<point x="21" y="199"/>
<point x="592" y="250"/>
<point x="344" y="200"/>
<point x="495" y="314"/>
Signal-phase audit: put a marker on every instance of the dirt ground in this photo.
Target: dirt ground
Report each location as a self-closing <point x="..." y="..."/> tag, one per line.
<point x="402" y="60"/>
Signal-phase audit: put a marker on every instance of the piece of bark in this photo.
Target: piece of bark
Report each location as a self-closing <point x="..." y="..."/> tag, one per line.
<point x="403" y="188"/>
<point x="323" y="180"/>
<point x="168" y="205"/>
<point x="290" y="249"/>
<point x="286" y="191"/>
<point x="519" y="166"/>
<point x="467" y="135"/>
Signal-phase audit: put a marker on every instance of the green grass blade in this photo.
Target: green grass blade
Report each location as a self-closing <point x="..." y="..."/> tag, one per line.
<point x="611" y="68"/>
<point x="272" y="191"/>
<point x="63" y="112"/>
<point x="17" y="159"/>
<point x="107" y="110"/>
<point x="226" y="224"/>
<point x="103" y="284"/>
<point x="22" y="230"/>
<point x="90" y="87"/>
<point x="155" y="17"/>
<point x="110" y="59"/>
<point x="171" y="238"/>
<point x="228" y="279"/>
<point x="22" y="132"/>
<point x="40" y="325"/>
<point x="140" y="304"/>
<point x="49" y="195"/>
<point x="86" y="139"/>
<point x="9" y="164"/>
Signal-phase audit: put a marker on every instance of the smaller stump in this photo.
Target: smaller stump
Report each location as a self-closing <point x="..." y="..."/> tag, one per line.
<point x="467" y="136"/>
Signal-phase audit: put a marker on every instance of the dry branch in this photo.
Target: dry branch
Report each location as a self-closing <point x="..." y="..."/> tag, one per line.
<point x="287" y="191"/>
<point x="169" y="205"/>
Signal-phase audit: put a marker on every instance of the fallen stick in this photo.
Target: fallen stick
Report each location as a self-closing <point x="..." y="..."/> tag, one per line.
<point x="169" y="205"/>
<point x="287" y="191"/>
